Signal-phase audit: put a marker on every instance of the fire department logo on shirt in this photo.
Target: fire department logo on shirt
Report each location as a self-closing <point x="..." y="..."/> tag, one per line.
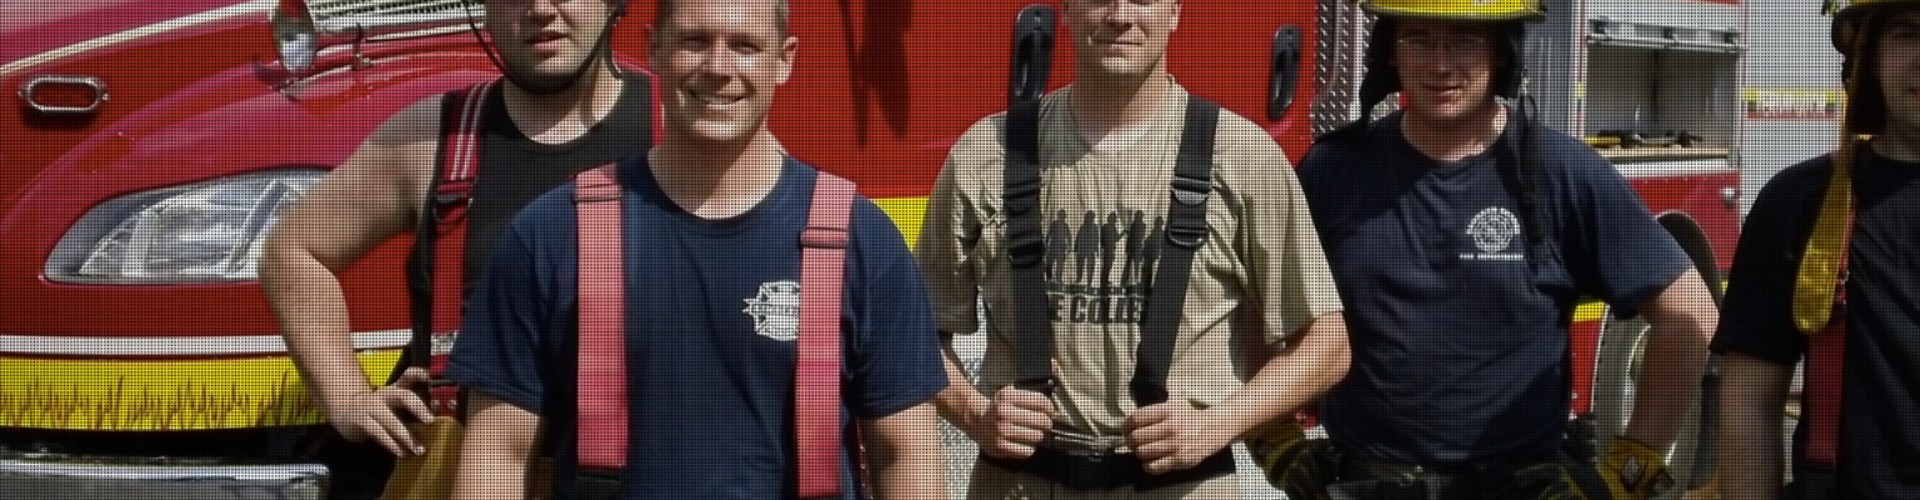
<point x="1493" y="230"/>
<point x="776" y="310"/>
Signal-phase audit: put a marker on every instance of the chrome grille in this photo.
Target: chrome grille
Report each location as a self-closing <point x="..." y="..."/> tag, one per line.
<point x="334" y="9"/>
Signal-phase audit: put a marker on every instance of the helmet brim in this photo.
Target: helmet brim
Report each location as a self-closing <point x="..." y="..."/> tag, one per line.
<point x="1442" y="15"/>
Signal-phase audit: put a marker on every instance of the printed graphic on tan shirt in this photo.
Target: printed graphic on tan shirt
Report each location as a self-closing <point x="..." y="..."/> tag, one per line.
<point x="1099" y="268"/>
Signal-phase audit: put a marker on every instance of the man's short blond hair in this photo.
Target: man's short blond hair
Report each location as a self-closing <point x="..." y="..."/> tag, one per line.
<point x="664" y="8"/>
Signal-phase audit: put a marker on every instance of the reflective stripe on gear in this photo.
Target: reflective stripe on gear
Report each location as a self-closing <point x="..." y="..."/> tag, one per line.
<point x="1462" y="10"/>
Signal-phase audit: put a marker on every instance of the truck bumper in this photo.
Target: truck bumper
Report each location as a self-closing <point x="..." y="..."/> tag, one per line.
<point x="77" y="478"/>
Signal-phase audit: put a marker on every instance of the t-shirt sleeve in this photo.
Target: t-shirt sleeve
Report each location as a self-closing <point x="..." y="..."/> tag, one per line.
<point x="1617" y="251"/>
<point x="1287" y="267"/>
<point x="895" y="362"/>
<point x="504" y="334"/>
<point x="950" y="234"/>
<point x="1757" y="315"/>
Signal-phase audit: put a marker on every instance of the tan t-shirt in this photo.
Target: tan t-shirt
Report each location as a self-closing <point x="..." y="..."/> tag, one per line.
<point x="1102" y="217"/>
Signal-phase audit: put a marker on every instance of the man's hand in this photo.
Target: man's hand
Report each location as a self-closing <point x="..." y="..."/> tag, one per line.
<point x="1634" y="470"/>
<point x="375" y="415"/>
<point x="1014" y="423"/>
<point x="1173" y="436"/>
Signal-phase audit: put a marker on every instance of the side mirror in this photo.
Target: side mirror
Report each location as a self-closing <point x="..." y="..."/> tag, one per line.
<point x="1283" y="78"/>
<point x="1033" y="32"/>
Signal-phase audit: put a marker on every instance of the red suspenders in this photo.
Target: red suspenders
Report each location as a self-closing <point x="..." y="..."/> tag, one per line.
<point x="603" y="417"/>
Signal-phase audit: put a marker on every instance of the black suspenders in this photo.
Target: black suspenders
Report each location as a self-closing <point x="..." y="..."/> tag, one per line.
<point x="1186" y="232"/>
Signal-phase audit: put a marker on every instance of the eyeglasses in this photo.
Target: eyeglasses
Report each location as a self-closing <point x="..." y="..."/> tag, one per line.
<point x="1459" y="45"/>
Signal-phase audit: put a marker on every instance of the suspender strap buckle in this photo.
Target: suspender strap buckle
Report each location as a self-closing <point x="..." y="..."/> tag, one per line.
<point x="1043" y="386"/>
<point x="1190" y="191"/>
<point x="1189" y="234"/>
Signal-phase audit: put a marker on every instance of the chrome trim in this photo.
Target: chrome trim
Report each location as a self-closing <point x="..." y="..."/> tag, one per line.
<point x="57" y="480"/>
<point x="1606" y="31"/>
<point x="146" y="347"/>
<point x="98" y="86"/>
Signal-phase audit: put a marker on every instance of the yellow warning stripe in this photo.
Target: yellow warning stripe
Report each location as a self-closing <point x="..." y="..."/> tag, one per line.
<point x="161" y="395"/>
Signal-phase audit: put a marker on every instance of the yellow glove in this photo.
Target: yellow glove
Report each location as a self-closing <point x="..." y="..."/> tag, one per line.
<point x="1635" y="471"/>
<point x="1299" y="466"/>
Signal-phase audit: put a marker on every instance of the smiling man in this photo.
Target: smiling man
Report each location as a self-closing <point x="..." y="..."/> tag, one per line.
<point x="1083" y="393"/>
<point x="1462" y="235"/>
<point x="713" y="218"/>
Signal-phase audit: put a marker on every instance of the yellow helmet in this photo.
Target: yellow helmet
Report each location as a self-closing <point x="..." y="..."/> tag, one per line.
<point x="1462" y="10"/>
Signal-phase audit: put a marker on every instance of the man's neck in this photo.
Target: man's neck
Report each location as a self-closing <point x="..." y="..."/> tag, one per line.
<point x="1117" y="107"/>
<point x="1453" y="140"/>
<point x="568" y="114"/>
<point x="1898" y="144"/>
<point x="716" y="180"/>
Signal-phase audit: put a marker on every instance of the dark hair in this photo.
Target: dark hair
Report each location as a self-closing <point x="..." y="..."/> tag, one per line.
<point x="1860" y="74"/>
<point x="664" y="8"/>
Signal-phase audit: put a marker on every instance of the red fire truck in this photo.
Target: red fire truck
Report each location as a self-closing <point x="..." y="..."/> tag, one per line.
<point x="153" y="143"/>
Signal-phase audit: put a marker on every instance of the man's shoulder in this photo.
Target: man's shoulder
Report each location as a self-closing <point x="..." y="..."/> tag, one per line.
<point x="1801" y="182"/>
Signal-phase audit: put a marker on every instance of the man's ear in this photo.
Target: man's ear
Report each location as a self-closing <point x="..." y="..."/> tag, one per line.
<point x="788" y="49"/>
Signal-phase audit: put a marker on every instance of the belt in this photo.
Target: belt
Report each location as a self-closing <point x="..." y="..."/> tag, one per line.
<point x="1083" y="468"/>
<point x="1357" y="468"/>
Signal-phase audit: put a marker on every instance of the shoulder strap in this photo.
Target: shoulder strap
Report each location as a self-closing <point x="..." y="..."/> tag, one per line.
<point x="457" y="151"/>
<point x="1819" y="302"/>
<point x="601" y="426"/>
<point x="602" y="422"/>
<point x="1186" y="231"/>
<point x="1026" y="248"/>
<point x="816" y="387"/>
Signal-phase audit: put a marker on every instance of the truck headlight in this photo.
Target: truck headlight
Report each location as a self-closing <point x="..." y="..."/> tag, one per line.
<point x="206" y="232"/>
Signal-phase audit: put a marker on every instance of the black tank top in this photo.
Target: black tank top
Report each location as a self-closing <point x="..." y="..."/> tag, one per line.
<point x="514" y="169"/>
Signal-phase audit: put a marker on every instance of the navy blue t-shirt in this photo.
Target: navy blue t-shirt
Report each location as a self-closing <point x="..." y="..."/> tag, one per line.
<point x="711" y="322"/>
<point x="1460" y="343"/>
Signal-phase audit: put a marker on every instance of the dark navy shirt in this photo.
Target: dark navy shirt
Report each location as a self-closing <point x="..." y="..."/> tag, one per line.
<point x="712" y="318"/>
<point x="1459" y="333"/>
<point x="1880" y="384"/>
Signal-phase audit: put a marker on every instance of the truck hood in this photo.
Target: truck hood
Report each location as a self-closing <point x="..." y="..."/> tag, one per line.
<point x="36" y="27"/>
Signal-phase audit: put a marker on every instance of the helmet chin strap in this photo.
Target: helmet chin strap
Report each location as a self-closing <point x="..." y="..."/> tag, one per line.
<point x="600" y="51"/>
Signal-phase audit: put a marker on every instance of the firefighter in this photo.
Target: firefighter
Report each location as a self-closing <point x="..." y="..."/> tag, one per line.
<point x="1828" y="270"/>
<point x="564" y="107"/>
<point x="714" y="218"/>
<point x="1058" y="214"/>
<point x="1461" y="235"/>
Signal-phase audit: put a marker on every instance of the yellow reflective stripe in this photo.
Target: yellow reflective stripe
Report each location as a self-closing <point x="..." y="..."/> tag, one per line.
<point x="907" y="213"/>
<point x="1589" y="310"/>
<point x="1815" y="285"/>
<point x="157" y="395"/>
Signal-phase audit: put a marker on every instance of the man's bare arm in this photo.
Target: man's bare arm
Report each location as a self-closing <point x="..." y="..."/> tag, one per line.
<point x="1008" y="425"/>
<point x="1683" y="318"/>
<point x="1176" y="436"/>
<point x="1753" y="394"/>
<point x="497" y="453"/>
<point x="371" y="197"/>
<point x="1293" y="378"/>
<point x="904" y="452"/>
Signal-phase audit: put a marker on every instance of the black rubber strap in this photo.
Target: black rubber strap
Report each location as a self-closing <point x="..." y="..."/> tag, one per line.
<point x="1186" y="232"/>
<point x="1026" y="249"/>
<point x="420" y="260"/>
